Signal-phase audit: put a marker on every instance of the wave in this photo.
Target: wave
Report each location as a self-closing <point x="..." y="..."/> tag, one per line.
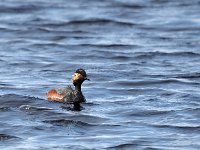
<point x="124" y="146"/>
<point x="148" y="113"/>
<point x="100" y="21"/>
<point x="144" y="55"/>
<point x="131" y="83"/>
<point x="7" y="137"/>
<point x="108" y="45"/>
<point x="20" y="8"/>
<point x="17" y="101"/>
<point x="93" y="21"/>
<point x="67" y="122"/>
<point x="178" y="127"/>
<point x="189" y="75"/>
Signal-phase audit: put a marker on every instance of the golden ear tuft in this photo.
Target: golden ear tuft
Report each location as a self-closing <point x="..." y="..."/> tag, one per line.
<point x="78" y="76"/>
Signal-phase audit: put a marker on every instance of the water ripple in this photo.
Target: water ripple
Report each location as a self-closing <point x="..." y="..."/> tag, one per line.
<point x="7" y="137"/>
<point x="143" y="61"/>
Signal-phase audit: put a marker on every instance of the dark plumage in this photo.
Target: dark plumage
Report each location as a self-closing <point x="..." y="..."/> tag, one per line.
<point x="67" y="94"/>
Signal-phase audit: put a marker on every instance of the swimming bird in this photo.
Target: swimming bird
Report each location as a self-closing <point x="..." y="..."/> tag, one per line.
<point x="68" y="94"/>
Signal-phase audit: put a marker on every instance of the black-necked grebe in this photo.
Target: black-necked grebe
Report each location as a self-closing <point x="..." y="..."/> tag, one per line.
<point x="69" y="95"/>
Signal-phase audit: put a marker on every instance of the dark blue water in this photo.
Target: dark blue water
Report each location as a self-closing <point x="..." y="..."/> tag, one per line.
<point x="143" y="60"/>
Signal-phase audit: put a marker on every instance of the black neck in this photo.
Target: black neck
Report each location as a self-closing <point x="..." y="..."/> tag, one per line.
<point x="78" y="87"/>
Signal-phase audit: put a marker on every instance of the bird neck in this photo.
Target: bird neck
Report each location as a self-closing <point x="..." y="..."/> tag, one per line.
<point x="78" y="87"/>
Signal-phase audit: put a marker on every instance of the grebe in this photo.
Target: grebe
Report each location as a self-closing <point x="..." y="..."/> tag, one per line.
<point x="69" y="95"/>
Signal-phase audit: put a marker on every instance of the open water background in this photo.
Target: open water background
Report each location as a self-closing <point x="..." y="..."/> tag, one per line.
<point x="143" y="59"/>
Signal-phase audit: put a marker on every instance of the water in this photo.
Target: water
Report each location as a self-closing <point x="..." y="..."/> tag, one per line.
<point x="143" y="61"/>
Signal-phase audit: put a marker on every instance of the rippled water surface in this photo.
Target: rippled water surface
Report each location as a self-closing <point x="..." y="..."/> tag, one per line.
<point x="143" y="60"/>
